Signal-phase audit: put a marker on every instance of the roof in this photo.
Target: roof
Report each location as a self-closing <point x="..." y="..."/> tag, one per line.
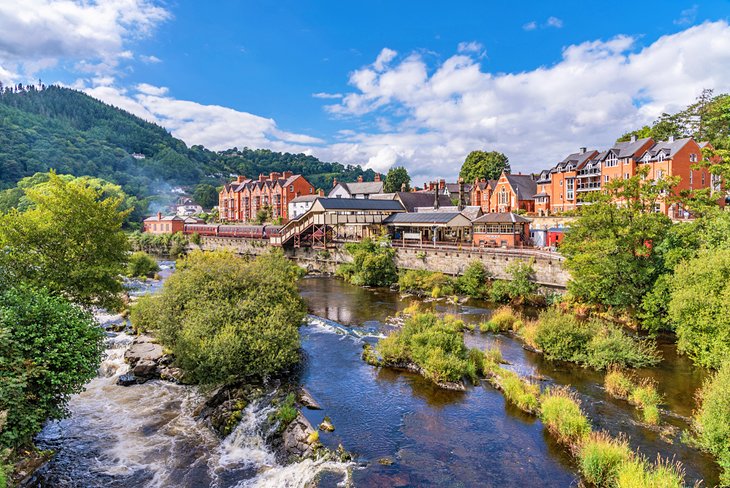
<point x="523" y="185"/>
<point x="358" y="204"/>
<point x="454" y="187"/>
<point x="578" y="159"/>
<point x="383" y="196"/>
<point x="304" y="198"/>
<point x="425" y="218"/>
<point x="628" y="149"/>
<point x="411" y="200"/>
<point x="165" y="218"/>
<point x="668" y="148"/>
<point x="541" y="194"/>
<point x="471" y="212"/>
<point x="361" y="188"/>
<point x="501" y="218"/>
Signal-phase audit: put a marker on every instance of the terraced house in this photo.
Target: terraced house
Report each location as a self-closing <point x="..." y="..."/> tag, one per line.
<point x="564" y="187"/>
<point x="241" y="199"/>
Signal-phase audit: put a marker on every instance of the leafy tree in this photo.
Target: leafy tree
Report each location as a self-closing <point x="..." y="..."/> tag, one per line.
<point x="712" y="419"/>
<point x="372" y="263"/>
<point x="206" y="195"/>
<point x="395" y="179"/>
<point x="474" y="281"/>
<point x="141" y="264"/>
<point x="49" y="349"/>
<point x="224" y="317"/>
<point x="263" y="215"/>
<point x="699" y="307"/>
<point x="482" y="164"/>
<point x="610" y="249"/>
<point x="69" y="241"/>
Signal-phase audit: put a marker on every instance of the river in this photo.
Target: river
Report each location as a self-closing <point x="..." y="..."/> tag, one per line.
<point x="404" y="431"/>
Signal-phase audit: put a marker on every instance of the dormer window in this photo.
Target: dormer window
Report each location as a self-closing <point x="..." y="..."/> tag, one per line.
<point x="693" y="158"/>
<point x="661" y="156"/>
<point x="611" y="160"/>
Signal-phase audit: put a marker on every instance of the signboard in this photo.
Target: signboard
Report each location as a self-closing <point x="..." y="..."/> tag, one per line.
<point x="412" y="235"/>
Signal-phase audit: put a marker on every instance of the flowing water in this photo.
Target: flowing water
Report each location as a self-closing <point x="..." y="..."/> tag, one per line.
<point x="404" y="431"/>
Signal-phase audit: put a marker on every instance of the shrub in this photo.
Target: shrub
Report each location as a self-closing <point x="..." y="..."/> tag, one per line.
<point x="561" y="336"/>
<point x="435" y="345"/>
<point x="699" y="307"/>
<point x="499" y="292"/>
<point x="610" y="346"/>
<point x="600" y="458"/>
<point x="522" y="393"/>
<point x="561" y="414"/>
<point x="287" y="411"/>
<point x="646" y="397"/>
<point x="49" y="349"/>
<point x="141" y="264"/>
<point x="144" y="313"/>
<point x="195" y="238"/>
<point x="224" y="317"/>
<point x="502" y="319"/>
<point x="712" y="419"/>
<point x="475" y="359"/>
<point x="473" y="282"/>
<point x="527" y="331"/>
<point x="618" y="384"/>
<point x="520" y="288"/>
<point x="372" y="263"/>
<point x="493" y="356"/>
<point x="425" y="282"/>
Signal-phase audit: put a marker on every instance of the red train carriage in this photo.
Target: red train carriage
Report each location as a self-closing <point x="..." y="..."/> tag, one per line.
<point x="245" y="231"/>
<point x="201" y="229"/>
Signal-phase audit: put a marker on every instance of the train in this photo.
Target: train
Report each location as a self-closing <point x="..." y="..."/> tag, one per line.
<point x="226" y="230"/>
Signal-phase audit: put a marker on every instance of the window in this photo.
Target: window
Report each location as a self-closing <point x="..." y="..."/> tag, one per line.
<point x="561" y="182"/>
<point x="659" y="174"/>
<point x="691" y="177"/>
<point x="570" y="184"/>
<point x="627" y="176"/>
<point x="311" y="189"/>
<point x="503" y="197"/>
<point x="703" y="178"/>
<point x="611" y="160"/>
<point x="661" y="156"/>
<point x="693" y="158"/>
<point x="626" y="161"/>
<point x="605" y="178"/>
<point x="291" y="188"/>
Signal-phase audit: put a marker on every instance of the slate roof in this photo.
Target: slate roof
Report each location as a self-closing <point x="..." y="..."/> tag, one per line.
<point x="523" y="185"/>
<point x="363" y="188"/>
<point x="165" y="218"/>
<point x="627" y="149"/>
<point x="541" y="194"/>
<point x="454" y="188"/>
<point x="421" y="218"/>
<point x="304" y="198"/>
<point x="411" y="199"/>
<point x="471" y="212"/>
<point x="669" y="149"/>
<point x="501" y="218"/>
<point x="359" y="204"/>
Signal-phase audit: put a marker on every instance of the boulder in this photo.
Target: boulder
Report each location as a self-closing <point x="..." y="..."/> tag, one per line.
<point x="326" y="425"/>
<point x="145" y="368"/>
<point x="306" y="399"/>
<point x="174" y="375"/>
<point x="299" y="438"/>
<point x="127" y="379"/>
<point x="143" y="348"/>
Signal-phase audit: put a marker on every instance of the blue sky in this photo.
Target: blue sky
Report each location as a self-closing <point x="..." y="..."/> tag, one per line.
<point x="379" y="83"/>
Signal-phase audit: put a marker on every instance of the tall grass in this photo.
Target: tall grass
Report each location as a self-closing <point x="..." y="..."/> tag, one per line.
<point x="600" y="458"/>
<point x="638" y="473"/>
<point x="502" y="320"/>
<point x="643" y="395"/>
<point x="560" y="412"/>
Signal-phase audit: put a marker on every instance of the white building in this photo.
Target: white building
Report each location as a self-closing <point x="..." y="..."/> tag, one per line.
<point x="361" y="189"/>
<point x="300" y="205"/>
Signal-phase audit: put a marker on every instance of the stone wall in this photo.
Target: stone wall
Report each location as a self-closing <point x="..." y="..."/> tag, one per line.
<point x="548" y="267"/>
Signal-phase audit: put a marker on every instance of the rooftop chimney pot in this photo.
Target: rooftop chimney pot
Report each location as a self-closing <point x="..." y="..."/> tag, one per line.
<point x="377" y="177"/>
<point x="633" y="137"/>
<point x="359" y="179"/>
<point x="159" y="216"/>
<point x="582" y="150"/>
<point x="671" y="138"/>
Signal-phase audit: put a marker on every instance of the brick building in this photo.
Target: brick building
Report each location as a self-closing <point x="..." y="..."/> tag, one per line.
<point x="241" y="199"/>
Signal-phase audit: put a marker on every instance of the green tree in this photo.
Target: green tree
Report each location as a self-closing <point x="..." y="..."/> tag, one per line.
<point x="206" y="195"/>
<point x="372" y="263"/>
<point x="484" y="164"/>
<point x="49" y="349"/>
<point x="69" y="241"/>
<point x="712" y="419"/>
<point x="610" y="249"/>
<point x="224" y="317"/>
<point x="395" y="179"/>
<point x="699" y="307"/>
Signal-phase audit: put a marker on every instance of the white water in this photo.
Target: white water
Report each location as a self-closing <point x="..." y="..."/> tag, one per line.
<point x="147" y="436"/>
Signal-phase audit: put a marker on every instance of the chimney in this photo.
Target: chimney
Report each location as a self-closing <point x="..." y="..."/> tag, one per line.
<point x="320" y="192"/>
<point x="359" y="179"/>
<point x="377" y="178"/>
<point x="436" y="199"/>
<point x="262" y="177"/>
<point x="442" y="184"/>
<point x="671" y="139"/>
<point x="334" y="182"/>
<point x="461" y="194"/>
<point x="403" y="187"/>
<point x="240" y="179"/>
<point x="287" y="175"/>
<point x="274" y="175"/>
<point x="633" y="137"/>
<point x="159" y="216"/>
<point x="582" y="150"/>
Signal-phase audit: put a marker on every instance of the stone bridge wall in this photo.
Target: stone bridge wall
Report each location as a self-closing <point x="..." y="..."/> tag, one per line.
<point x="548" y="267"/>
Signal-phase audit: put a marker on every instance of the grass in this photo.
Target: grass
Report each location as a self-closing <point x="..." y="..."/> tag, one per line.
<point x="637" y="473"/>
<point x="493" y="355"/>
<point x="287" y="412"/>
<point x="600" y="457"/>
<point x="618" y="384"/>
<point x="518" y="391"/>
<point x="561" y="414"/>
<point x="503" y="319"/>
<point x="647" y="398"/>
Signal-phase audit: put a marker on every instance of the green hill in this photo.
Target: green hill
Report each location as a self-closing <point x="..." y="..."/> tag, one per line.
<point x="71" y="132"/>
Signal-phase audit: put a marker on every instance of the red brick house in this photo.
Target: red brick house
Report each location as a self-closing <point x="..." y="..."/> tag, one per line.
<point x="241" y="199"/>
<point x="501" y="229"/>
<point x="512" y="193"/>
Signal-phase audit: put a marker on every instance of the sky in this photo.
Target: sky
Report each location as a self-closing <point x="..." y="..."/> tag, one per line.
<point x="418" y="84"/>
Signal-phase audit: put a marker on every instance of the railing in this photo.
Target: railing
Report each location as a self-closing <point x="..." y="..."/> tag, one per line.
<point x="588" y="186"/>
<point x="520" y="250"/>
<point x="589" y="172"/>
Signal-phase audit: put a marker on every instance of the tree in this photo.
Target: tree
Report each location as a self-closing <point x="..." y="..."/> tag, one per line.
<point x="699" y="307"/>
<point x="483" y="164"/>
<point x="206" y="195"/>
<point x="69" y="241"/>
<point x="372" y="263"/>
<point x="225" y="317"/>
<point x="610" y="249"/>
<point x="395" y="179"/>
<point x="49" y="349"/>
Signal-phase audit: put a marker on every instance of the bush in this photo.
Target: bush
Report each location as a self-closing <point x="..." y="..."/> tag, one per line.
<point x="637" y="473"/>
<point x="499" y="292"/>
<point x="522" y="393"/>
<point x="287" y="411"/>
<point x="502" y="319"/>
<point x="521" y="287"/>
<point x="562" y="416"/>
<point x="712" y="419"/>
<point x="49" y="349"/>
<point x="224" y="317"/>
<point x="144" y="314"/>
<point x="424" y="282"/>
<point x="141" y="264"/>
<point x="372" y="263"/>
<point x="646" y="397"/>
<point x="593" y="343"/>
<point x="699" y="307"/>
<point x="493" y="356"/>
<point x="433" y="344"/>
<point x="473" y="282"/>
<point x="600" y="458"/>
<point x="618" y="384"/>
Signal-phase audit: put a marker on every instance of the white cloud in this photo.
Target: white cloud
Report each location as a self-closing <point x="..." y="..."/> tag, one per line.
<point x="327" y="95"/>
<point x="598" y="90"/>
<point x="532" y="25"/>
<point x="470" y="47"/>
<point x="151" y="59"/>
<point x="41" y="33"/>
<point x="554" y="22"/>
<point x="151" y="89"/>
<point x="687" y="16"/>
<point x="385" y="57"/>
